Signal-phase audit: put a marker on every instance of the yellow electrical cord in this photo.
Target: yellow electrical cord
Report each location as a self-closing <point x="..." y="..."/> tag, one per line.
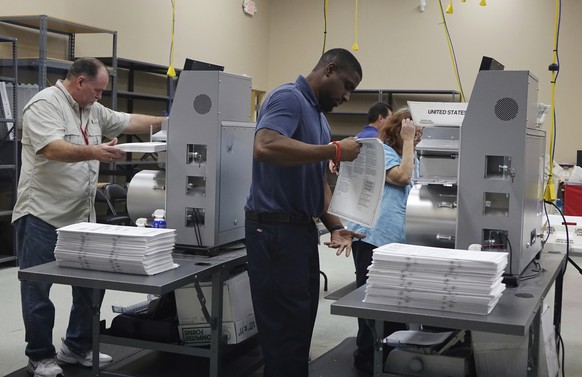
<point x="324" y="25"/>
<point x="171" y="71"/>
<point x="550" y="192"/>
<point x="355" y="45"/>
<point x="451" y="53"/>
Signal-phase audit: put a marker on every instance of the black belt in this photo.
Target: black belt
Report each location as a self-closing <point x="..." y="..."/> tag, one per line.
<point x="279" y="218"/>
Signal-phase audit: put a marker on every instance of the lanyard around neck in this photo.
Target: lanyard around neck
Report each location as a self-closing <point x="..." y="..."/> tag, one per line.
<point x="84" y="131"/>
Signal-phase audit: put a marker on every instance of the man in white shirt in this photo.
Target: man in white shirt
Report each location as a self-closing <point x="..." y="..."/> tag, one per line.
<point x="62" y="147"/>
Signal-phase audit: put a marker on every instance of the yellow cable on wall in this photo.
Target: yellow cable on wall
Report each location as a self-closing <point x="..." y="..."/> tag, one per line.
<point x="355" y="45"/>
<point x="452" y="50"/>
<point x="325" y="5"/>
<point x="550" y="191"/>
<point x="171" y="71"/>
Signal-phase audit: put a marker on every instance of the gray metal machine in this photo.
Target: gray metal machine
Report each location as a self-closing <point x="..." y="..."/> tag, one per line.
<point x="207" y="163"/>
<point x="501" y="166"/>
<point x="497" y="198"/>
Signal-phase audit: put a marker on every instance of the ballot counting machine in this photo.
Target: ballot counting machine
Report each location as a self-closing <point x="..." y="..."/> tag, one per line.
<point x="482" y="182"/>
<point x="205" y="171"/>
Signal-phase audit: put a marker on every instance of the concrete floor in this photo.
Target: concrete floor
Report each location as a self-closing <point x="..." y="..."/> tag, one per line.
<point x="329" y="331"/>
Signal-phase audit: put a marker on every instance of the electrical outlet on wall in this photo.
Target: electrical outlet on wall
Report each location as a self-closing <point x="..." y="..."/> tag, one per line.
<point x="249" y="7"/>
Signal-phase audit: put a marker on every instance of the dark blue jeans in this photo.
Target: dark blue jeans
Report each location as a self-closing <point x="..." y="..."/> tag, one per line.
<point x="283" y="261"/>
<point x="36" y="245"/>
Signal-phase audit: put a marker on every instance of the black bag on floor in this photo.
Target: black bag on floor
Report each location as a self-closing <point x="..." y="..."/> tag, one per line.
<point x="158" y="323"/>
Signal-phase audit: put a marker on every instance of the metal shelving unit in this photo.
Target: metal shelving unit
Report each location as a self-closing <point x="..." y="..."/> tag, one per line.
<point x="43" y="64"/>
<point x="155" y="71"/>
<point x="10" y="156"/>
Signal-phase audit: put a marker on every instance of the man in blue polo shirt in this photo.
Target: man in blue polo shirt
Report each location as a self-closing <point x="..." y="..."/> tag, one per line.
<point x="289" y="188"/>
<point x="378" y="115"/>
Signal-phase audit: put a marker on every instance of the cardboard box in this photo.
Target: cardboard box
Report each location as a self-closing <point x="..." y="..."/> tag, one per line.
<point x="549" y="365"/>
<point x="232" y="332"/>
<point x="499" y="355"/>
<point x="236" y="301"/>
<point x="557" y="239"/>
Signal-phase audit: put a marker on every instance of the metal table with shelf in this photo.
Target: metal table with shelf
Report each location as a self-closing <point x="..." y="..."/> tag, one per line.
<point x="192" y="268"/>
<point x="518" y="312"/>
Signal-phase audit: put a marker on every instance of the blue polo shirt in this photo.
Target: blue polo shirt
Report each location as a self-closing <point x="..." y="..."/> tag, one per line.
<point x="293" y="111"/>
<point x="368" y="131"/>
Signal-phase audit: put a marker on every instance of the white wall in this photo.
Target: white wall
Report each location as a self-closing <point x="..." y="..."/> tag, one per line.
<point x="216" y="31"/>
<point x="400" y="47"/>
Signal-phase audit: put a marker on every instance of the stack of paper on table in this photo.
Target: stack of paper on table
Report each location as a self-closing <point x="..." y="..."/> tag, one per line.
<point x="115" y="248"/>
<point x="435" y="278"/>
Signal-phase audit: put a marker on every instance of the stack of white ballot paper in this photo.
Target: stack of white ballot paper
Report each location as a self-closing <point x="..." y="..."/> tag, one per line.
<point x="434" y="278"/>
<point x="115" y="248"/>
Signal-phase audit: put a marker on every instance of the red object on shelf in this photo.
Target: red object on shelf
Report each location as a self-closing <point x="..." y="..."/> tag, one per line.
<point x="573" y="199"/>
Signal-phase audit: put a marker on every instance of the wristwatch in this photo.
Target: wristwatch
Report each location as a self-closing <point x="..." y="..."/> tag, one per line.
<point x="336" y="227"/>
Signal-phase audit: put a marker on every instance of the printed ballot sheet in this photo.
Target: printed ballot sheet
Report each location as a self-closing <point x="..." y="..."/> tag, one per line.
<point x="360" y="185"/>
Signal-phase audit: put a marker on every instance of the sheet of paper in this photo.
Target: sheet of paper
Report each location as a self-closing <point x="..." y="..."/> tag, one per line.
<point x="144" y="147"/>
<point x="360" y="185"/>
<point x="417" y="338"/>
